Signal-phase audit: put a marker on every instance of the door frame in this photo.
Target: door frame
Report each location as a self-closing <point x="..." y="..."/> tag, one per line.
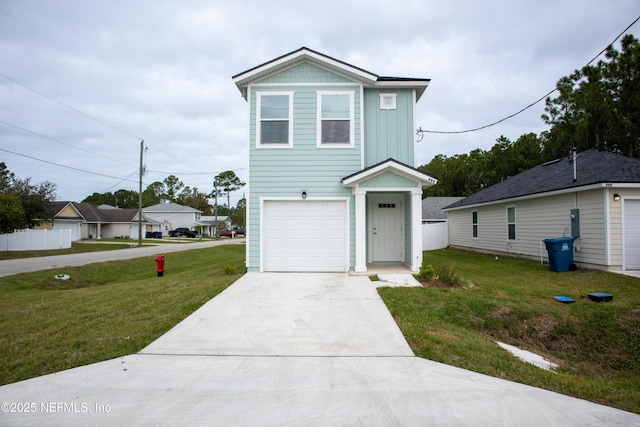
<point x="373" y="199"/>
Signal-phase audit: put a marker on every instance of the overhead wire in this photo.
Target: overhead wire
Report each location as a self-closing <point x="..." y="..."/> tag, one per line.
<point x="421" y="131"/>
<point x="70" y="107"/>
<point x="61" y="142"/>
<point x="65" y="166"/>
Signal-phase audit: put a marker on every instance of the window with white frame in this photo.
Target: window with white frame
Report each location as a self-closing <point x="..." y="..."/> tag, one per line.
<point x="274" y="118"/>
<point x="511" y="223"/>
<point x="474" y="224"/>
<point x="335" y="118"/>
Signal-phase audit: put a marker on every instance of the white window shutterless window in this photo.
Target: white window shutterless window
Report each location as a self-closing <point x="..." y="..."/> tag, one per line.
<point x="274" y="119"/>
<point x="511" y="223"/>
<point x="474" y="224"/>
<point x="335" y="119"/>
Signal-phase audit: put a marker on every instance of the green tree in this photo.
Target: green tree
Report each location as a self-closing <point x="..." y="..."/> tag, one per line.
<point x="598" y="106"/>
<point x="226" y="183"/>
<point x="126" y="199"/>
<point x="238" y="214"/>
<point x="35" y="199"/>
<point x="12" y="216"/>
<point x="153" y="194"/>
<point x="195" y="199"/>
<point x="98" y="199"/>
<point x="172" y="188"/>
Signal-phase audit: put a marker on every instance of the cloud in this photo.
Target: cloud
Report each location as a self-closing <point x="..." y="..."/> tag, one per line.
<point x="161" y="71"/>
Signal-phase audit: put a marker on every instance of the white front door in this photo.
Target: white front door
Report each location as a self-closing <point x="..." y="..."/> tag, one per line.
<point x="386" y="228"/>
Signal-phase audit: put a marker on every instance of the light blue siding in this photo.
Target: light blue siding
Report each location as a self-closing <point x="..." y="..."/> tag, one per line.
<point x="389" y="133"/>
<point x="286" y="172"/>
<point x="305" y="73"/>
<point x="389" y="180"/>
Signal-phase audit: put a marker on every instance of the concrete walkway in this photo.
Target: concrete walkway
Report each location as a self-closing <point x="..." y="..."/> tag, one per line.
<point x="289" y="350"/>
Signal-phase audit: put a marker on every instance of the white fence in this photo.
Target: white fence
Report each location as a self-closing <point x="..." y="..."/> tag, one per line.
<point x="29" y="240"/>
<point x="435" y="236"/>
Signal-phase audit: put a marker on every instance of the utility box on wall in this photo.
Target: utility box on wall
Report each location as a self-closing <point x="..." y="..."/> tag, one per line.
<point x="575" y="222"/>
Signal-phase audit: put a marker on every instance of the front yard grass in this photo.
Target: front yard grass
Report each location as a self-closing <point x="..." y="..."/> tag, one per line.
<point x="104" y="310"/>
<point x="597" y="345"/>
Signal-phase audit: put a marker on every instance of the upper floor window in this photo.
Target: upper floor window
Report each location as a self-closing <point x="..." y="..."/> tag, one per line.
<point x="511" y="223"/>
<point x="274" y="118"/>
<point x="335" y="119"/>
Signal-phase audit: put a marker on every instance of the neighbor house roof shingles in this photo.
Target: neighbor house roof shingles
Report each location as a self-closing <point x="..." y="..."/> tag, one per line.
<point x="592" y="167"/>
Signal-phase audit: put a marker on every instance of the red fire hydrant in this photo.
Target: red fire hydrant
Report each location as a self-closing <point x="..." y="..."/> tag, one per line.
<point x="160" y="265"/>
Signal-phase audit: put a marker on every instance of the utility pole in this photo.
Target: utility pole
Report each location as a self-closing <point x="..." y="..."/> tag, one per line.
<point x="140" y="193"/>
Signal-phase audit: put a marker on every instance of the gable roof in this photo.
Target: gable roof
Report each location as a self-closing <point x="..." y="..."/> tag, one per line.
<point x="591" y="167"/>
<point x="432" y="207"/>
<point x="393" y="166"/>
<point x="367" y="78"/>
<point x="92" y="213"/>
<point x="170" y="207"/>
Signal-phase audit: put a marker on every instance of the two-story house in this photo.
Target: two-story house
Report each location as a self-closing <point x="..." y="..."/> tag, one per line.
<point x="332" y="178"/>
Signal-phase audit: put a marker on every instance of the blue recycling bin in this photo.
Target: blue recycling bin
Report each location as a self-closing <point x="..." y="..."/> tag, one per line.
<point x="560" y="250"/>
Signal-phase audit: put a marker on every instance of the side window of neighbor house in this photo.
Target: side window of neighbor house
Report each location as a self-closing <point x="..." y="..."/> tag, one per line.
<point x="335" y="119"/>
<point x="274" y="118"/>
<point x="511" y="223"/>
<point x="474" y="222"/>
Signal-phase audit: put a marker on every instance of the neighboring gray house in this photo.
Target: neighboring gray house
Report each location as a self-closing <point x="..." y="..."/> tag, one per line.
<point x="333" y="184"/>
<point x="593" y="196"/>
<point x="173" y="215"/>
<point x="432" y="208"/>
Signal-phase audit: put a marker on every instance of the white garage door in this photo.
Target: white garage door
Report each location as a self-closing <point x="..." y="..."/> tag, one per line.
<point x="631" y="234"/>
<point x="73" y="227"/>
<point x="305" y="235"/>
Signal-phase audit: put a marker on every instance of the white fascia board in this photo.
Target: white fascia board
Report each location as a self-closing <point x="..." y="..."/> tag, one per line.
<point x="284" y="61"/>
<point x="385" y="167"/>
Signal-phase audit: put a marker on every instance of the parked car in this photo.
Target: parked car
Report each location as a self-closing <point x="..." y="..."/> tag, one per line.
<point x="227" y="233"/>
<point x="182" y="231"/>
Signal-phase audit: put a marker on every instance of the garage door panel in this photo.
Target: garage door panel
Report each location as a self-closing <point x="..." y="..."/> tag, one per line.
<point x="306" y="236"/>
<point x="631" y="237"/>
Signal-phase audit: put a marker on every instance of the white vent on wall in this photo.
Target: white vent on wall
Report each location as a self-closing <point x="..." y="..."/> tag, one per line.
<point x="388" y="101"/>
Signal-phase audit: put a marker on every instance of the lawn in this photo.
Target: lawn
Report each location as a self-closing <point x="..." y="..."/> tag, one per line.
<point x="596" y="345"/>
<point x="76" y="248"/>
<point x="104" y="310"/>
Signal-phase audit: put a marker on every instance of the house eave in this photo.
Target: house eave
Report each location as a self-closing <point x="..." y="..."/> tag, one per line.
<point x="546" y="194"/>
<point x="245" y="78"/>
<point x="424" y="179"/>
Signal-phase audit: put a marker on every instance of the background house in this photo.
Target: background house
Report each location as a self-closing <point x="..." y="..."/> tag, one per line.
<point x="86" y="221"/>
<point x="172" y="215"/>
<point x="332" y="178"/>
<point x="210" y="224"/>
<point x="593" y="196"/>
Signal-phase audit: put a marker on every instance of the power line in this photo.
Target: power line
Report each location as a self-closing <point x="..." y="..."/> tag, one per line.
<point x="69" y="107"/>
<point x="65" y="166"/>
<point x="62" y="142"/>
<point x="421" y="131"/>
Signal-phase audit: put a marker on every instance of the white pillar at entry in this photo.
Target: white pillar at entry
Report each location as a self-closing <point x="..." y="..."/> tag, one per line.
<point x="416" y="229"/>
<point x="361" y="230"/>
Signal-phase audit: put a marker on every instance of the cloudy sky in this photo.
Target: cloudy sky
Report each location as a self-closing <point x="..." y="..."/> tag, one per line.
<point x="81" y="82"/>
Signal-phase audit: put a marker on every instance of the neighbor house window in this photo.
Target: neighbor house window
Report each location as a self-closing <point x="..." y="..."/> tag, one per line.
<point x="511" y="223"/>
<point x="335" y="119"/>
<point x="474" y="223"/>
<point x="274" y="118"/>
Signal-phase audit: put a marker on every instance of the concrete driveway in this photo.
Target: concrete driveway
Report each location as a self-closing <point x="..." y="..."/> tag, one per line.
<point x="289" y="350"/>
